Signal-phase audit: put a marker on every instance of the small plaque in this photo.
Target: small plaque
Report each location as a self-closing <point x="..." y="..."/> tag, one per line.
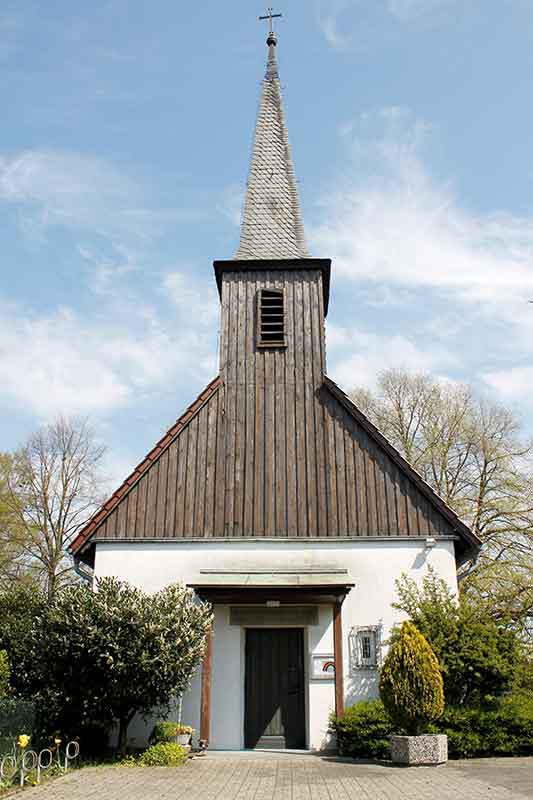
<point x="322" y="667"/>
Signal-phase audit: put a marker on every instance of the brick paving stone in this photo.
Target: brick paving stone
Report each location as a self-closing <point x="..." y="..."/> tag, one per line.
<point x="265" y="776"/>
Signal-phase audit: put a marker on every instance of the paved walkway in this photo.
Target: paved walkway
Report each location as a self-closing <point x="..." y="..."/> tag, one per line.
<point x="295" y="777"/>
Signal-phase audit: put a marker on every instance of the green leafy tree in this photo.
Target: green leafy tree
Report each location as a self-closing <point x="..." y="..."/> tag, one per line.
<point x="15" y="564"/>
<point x="22" y="613"/>
<point x="117" y="651"/>
<point x="411" y="685"/>
<point x="472" y="453"/>
<point x="523" y="677"/>
<point x="5" y="673"/>
<point x="478" y="657"/>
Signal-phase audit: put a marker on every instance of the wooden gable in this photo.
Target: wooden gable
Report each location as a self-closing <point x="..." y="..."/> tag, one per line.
<point x="160" y="494"/>
<point x="338" y="479"/>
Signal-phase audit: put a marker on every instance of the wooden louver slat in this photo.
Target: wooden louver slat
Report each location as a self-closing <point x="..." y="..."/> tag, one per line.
<point x="270" y="318"/>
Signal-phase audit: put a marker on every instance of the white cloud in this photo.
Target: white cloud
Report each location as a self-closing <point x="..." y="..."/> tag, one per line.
<point x="116" y="467"/>
<point x="64" y="362"/>
<point x="57" y="188"/>
<point x="105" y="270"/>
<point x="357" y="355"/>
<point x="389" y="221"/>
<point x="453" y="285"/>
<point x="143" y="339"/>
<point x="66" y="188"/>
<point x="349" y="23"/>
<point x="330" y="14"/>
<point x="512" y="384"/>
<point x="194" y="302"/>
<point x="230" y="204"/>
<point x="55" y="364"/>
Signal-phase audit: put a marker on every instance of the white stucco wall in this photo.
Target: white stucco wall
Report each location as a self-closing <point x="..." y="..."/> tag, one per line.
<point x="373" y="564"/>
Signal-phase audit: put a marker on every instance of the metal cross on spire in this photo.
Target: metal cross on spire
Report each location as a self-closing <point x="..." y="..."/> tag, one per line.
<point x="270" y="16"/>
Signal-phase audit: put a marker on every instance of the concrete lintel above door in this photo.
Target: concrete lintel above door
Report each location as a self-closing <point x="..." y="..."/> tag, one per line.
<point x="259" y="616"/>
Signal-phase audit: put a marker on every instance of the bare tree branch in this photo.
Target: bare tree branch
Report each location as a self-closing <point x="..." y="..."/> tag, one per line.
<point x="52" y="489"/>
<point x="471" y="453"/>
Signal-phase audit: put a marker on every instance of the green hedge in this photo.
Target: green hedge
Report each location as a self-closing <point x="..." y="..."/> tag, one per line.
<point x="364" y="730"/>
<point x="504" y="729"/>
<point x="5" y="674"/>
<point x="16" y="717"/>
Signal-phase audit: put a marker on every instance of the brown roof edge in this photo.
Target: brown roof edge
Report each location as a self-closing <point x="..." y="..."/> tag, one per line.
<point x="272" y="264"/>
<point x="471" y="539"/>
<point x="96" y="520"/>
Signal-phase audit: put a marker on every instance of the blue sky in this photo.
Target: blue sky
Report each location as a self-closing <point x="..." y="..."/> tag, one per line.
<point x="124" y="148"/>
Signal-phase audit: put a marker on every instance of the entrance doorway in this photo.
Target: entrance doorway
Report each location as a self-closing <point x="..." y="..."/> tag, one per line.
<point x="274" y="708"/>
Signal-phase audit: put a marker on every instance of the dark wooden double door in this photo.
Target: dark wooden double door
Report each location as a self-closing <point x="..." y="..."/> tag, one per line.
<point x="274" y="714"/>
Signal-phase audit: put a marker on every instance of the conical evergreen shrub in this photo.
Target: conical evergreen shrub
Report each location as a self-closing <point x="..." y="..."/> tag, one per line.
<point x="411" y="681"/>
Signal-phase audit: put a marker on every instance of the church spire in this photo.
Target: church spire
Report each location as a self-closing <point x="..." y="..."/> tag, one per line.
<point x="271" y="224"/>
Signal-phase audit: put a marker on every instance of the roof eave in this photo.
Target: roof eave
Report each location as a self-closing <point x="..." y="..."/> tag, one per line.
<point x="258" y="264"/>
<point x="78" y="545"/>
<point x="469" y="544"/>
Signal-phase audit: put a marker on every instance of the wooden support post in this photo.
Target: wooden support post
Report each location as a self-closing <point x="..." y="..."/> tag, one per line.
<point x="205" y="700"/>
<point x="337" y="651"/>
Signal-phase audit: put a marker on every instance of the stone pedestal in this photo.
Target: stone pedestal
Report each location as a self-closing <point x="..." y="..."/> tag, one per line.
<point x="427" y="749"/>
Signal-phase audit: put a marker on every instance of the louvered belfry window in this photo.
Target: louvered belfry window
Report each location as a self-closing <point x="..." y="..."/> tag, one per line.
<point x="270" y="318"/>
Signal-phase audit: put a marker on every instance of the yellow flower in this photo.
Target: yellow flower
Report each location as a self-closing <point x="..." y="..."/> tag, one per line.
<point x="57" y="741"/>
<point x="24" y="740"/>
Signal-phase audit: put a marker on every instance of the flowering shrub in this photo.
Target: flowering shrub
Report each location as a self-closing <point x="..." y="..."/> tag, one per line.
<point x="101" y="657"/>
<point x="183" y="729"/>
<point x="166" y="731"/>
<point x="164" y="754"/>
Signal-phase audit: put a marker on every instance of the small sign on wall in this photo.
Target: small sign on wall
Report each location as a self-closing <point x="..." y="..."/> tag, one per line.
<point x="322" y="667"/>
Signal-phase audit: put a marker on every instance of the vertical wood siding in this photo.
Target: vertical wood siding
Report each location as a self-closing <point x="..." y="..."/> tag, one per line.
<point x="273" y="451"/>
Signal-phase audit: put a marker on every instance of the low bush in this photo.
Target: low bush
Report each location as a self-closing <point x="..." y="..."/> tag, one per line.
<point x="504" y="728"/>
<point x="166" y="731"/>
<point x="364" y="730"/>
<point x="164" y="754"/>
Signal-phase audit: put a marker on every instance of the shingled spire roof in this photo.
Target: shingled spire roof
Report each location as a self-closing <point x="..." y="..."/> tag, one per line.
<point x="271" y="224"/>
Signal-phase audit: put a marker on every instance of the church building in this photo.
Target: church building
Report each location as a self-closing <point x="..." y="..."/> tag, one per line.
<point x="273" y="497"/>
